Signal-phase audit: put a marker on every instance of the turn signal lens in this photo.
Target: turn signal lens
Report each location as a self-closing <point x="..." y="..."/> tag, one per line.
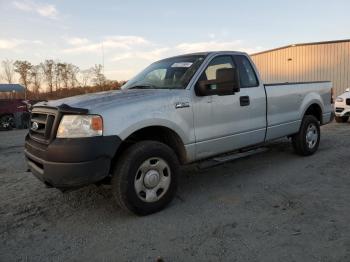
<point x="96" y="123"/>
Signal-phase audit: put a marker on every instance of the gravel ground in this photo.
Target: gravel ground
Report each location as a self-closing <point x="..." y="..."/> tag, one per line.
<point x="273" y="206"/>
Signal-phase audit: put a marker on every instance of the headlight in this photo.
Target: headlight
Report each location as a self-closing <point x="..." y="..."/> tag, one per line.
<point x="339" y="99"/>
<point x="80" y="126"/>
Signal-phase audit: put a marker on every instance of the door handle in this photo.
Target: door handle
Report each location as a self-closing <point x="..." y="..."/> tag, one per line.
<point x="244" y="100"/>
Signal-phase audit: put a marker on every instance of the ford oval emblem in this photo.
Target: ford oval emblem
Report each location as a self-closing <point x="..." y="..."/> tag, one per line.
<point x="35" y="126"/>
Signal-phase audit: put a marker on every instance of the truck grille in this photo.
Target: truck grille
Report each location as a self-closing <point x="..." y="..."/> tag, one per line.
<point x="339" y="109"/>
<point x="42" y="125"/>
<point x="348" y="101"/>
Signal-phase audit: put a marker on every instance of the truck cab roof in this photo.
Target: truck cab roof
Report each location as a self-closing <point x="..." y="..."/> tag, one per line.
<point x="206" y="53"/>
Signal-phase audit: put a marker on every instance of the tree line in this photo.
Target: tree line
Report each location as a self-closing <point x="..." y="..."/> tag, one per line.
<point x="54" y="79"/>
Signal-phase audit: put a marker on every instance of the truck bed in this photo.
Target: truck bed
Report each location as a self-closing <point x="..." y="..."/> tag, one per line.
<point x="286" y="100"/>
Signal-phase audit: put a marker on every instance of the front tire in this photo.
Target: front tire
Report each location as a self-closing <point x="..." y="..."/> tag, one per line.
<point x="341" y="119"/>
<point x="306" y="142"/>
<point x="145" y="178"/>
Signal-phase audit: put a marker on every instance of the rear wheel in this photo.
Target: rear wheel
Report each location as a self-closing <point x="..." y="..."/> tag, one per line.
<point x="306" y="142"/>
<point x="341" y="119"/>
<point x="145" y="178"/>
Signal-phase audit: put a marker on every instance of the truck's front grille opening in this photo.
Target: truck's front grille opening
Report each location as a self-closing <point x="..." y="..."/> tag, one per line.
<point x="339" y="109"/>
<point x="348" y="101"/>
<point x="41" y="125"/>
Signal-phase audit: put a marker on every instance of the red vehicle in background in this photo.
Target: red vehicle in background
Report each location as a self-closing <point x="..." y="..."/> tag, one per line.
<point x="14" y="113"/>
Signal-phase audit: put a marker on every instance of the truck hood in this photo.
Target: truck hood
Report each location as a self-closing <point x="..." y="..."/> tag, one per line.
<point x="345" y="95"/>
<point x="96" y="102"/>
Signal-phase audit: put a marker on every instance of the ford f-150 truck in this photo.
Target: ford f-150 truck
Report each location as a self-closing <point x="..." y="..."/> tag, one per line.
<point x="177" y="111"/>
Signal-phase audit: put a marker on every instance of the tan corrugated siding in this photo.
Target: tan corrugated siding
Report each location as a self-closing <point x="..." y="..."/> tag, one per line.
<point x="313" y="62"/>
<point x="347" y="63"/>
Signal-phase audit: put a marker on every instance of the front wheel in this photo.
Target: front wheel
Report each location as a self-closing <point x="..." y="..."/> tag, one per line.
<point x="306" y="142"/>
<point x="341" y="119"/>
<point x="145" y="178"/>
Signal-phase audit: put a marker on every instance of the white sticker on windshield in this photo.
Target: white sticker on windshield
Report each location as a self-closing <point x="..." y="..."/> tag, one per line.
<point x="182" y="64"/>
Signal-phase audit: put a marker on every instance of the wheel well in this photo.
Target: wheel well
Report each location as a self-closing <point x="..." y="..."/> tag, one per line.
<point x="156" y="133"/>
<point x="314" y="110"/>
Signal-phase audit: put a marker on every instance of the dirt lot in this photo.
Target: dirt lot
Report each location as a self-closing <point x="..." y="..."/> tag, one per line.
<point x="274" y="206"/>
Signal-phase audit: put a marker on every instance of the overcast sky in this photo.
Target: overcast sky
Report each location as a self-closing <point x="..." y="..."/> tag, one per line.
<point x="135" y="33"/>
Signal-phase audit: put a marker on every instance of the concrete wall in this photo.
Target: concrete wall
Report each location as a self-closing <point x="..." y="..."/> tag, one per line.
<point x="307" y="62"/>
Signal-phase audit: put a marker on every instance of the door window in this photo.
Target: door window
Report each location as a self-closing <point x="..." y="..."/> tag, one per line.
<point x="211" y="72"/>
<point x="215" y="64"/>
<point x="246" y="72"/>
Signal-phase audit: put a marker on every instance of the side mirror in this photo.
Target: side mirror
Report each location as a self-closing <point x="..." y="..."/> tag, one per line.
<point x="226" y="83"/>
<point x="347" y="90"/>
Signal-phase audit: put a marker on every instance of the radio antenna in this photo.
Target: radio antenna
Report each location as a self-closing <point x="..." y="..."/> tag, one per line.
<point x="103" y="58"/>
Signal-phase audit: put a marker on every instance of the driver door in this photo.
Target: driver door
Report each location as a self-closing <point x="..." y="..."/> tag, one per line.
<point x="227" y="122"/>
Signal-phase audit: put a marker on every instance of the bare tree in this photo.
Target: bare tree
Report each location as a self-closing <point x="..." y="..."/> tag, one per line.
<point x="36" y="78"/>
<point x="57" y="75"/>
<point x="99" y="78"/>
<point x="86" y="76"/>
<point x="63" y="71"/>
<point x="23" y="69"/>
<point x="48" y="69"/>
<point x="73" y="72"/>
<point x="8" y="70"/>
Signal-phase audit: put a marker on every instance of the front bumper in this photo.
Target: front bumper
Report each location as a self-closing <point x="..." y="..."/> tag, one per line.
<point x="341" y="111"/>
<point x="71" y="162"/>
<point x="342" y="108"/>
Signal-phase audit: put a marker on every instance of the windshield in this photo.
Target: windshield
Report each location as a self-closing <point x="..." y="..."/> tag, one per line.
<point x="171" y="73"/>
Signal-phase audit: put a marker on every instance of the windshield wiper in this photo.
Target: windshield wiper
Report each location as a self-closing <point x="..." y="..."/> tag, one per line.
<point x="142" y="87"/>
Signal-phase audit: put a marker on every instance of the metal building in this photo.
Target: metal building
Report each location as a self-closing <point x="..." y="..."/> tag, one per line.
<point x="317" y="61"/>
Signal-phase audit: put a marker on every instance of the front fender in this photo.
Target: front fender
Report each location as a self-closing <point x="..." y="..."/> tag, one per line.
<point x="124" y="133"/>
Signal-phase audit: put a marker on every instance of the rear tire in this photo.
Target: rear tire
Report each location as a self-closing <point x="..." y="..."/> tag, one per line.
<point x="145" y="178"/>
<point x="341" y="119"/>
<point x="306" y="142"/>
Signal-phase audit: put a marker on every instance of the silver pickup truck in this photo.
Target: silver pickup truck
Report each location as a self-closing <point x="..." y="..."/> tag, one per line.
<point x="179" y="110"/>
